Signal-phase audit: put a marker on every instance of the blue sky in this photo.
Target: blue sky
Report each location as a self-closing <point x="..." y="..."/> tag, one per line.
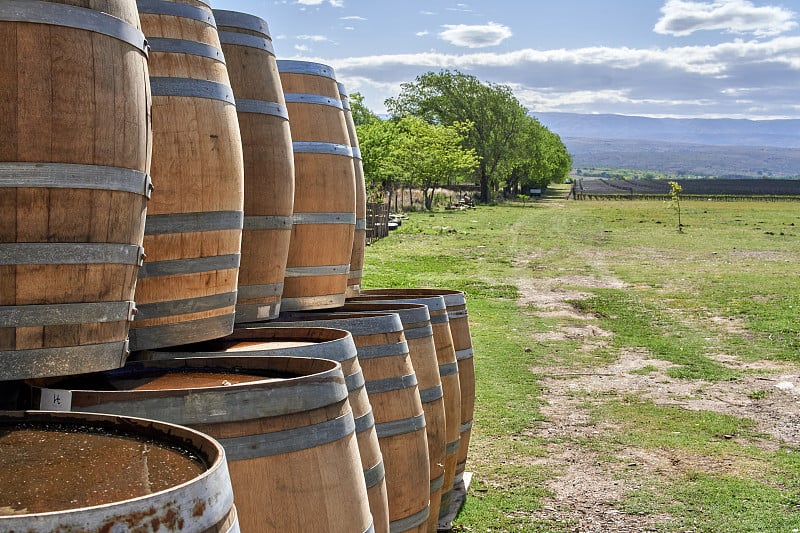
<point x="676" y="58"/>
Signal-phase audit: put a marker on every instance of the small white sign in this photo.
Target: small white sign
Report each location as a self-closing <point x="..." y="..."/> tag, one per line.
<point x="55" y="400"/>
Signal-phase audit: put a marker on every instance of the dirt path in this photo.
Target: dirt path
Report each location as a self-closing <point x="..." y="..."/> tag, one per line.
<point x="588" y="491"/>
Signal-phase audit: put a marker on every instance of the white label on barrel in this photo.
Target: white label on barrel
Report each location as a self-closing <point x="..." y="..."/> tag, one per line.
<point x="263" y="311"/>
<point x="55" y="400"/>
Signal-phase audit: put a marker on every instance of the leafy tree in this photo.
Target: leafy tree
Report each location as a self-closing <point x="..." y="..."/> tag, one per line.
<point x="450" y="97"/>
<point x="361" y="113"/>
<point x="378" y="141"/>
<point x="432" y="155"/>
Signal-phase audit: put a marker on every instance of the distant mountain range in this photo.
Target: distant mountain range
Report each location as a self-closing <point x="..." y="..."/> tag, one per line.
<point x="710" y="147"/>
<point x="720" y="132"/>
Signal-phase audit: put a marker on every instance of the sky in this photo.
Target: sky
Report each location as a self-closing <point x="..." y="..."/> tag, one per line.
<point x="658" y="58"/>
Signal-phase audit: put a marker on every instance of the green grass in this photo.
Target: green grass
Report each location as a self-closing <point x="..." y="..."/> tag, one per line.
<point x="727" y="285"/>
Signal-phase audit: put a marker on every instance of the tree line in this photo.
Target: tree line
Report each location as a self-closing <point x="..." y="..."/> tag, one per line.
<point x="449" y="128"/>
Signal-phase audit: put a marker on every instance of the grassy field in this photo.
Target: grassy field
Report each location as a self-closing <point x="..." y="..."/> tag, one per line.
<point x="629" y="377"/>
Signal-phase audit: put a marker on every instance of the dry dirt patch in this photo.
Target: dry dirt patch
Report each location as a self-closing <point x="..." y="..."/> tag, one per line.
<point x="588" y="491"/>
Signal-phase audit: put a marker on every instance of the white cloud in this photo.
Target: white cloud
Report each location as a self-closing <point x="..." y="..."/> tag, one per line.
<point x="422" y="33"/>
<point x="352" y="17"/>
<point x="333" y="3"/>
<point x="681" y="18"/>
<point x="474" y="36"/>
<point x="312" y="38"/>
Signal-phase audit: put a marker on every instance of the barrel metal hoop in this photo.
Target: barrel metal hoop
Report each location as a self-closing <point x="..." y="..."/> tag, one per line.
<point x="266" y="290"/>
<point x="437" y="484"/>
<point x="369" y="325"/>
<point x="73" y="176"/>
<point x="466" y="426"/>
<point x="60" y="361"/>
<point x="354" y="381"/>
<point x="419" y="333"/>
<point x="52" y="253"/>
<point x="58" y="314"/>
<point x="188" y="305"/>
<point x="290" y="440"/>
<point x="80" y="18"/>
<point x="448" y="369"/>
<point x="311" y="271"/>
<point x="193" y="222"/>
<point x="460" y="313"/>
<point x="187" y="332"/>
<point x="392" y="384"/>
<point x="452" y="447"/>
<point x="440" y="319"/>
<point x="355" y="274"/>
<point x="243" y="21"/>
<point x="374" y="474"/>
<point x="176" y="9"/>
<point x="463" y="355"/>
<point x="356" y="152"/>
<point x="400" y="427"/>
<point x="289" y="66"/>
<point x="314" y="99"/>
<point x="361" y="224"/>
<point x="267" y="222"/>
<point x="432" y="394"/>
<point x="324" y="218"/>
<point x="192" y="88"/>
<point x="185" y="46"/>
<point x="193" y="265"/>
<point x="257" y="312"/>
<point x="410" y="522"/>
<point x="365" y="422"/>
<point x="262" y="107"/>
<point x="313" y="147"/>
<point x="383" y="350"/>
<point x="312" y="302"/>
<point x="249" y="41"/>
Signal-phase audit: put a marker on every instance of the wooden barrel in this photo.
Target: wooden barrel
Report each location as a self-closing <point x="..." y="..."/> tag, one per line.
<point x="144" y="474"/>
<point x="284" y="422"/>
<point x="325" y="198"/>
<point x="355" y="273"/>
<point x="187" y="286"/>
<point x="74" y="163"/>
<point x="268" y="163"/>
<point x="324" y="343"/>
<point x="448" y="370"/>
<point x="393" y="391"/>
<point x="422" y="348"/>
<point x="456" y="303"/>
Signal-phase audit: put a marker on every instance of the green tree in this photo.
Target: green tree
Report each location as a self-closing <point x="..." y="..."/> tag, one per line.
<point x="449" y="97"/>
<point x="432" y="155"/>
<point x="361" y="113"/>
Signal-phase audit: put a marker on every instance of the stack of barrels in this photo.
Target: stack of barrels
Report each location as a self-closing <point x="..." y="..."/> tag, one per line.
<point x="182" y="238"/>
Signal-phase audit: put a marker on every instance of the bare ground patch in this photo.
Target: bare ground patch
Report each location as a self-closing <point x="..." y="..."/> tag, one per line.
<point x="589" y="490"/>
